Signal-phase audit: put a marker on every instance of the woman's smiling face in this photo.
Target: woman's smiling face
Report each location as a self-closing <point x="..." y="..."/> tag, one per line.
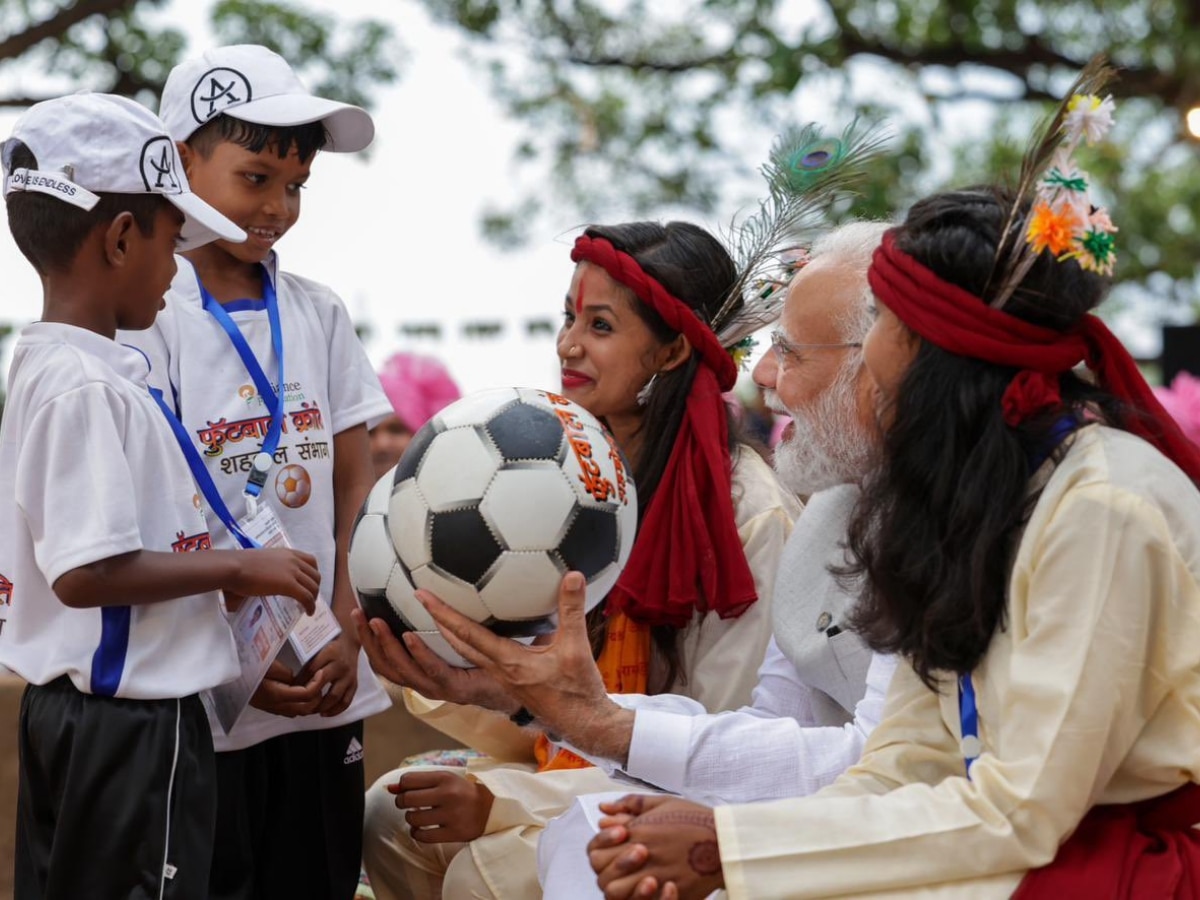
<point x="607" y="350"/>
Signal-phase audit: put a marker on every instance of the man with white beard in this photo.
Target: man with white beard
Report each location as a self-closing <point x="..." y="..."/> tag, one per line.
<point x="820" y="690"/>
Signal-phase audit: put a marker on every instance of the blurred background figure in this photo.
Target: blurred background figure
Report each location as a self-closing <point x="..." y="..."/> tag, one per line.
<point x="1182" y="400"/>
<point x="418" y="386"/>
<point x="746" y="401"/>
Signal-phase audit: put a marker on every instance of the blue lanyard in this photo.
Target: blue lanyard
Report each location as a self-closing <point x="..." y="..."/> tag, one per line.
<point x="968" y="715"/>
<point x="200" y="472"/>
<point x="266" y="455"/>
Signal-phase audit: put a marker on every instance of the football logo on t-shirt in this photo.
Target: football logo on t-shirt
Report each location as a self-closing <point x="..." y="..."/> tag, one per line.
<point x="293" y="486"/>
<point x="6" y="591"/>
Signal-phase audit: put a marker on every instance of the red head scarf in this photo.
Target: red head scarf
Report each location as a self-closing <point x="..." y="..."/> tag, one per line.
<point x="688" y="555"/>
<point x="959" y="322"/>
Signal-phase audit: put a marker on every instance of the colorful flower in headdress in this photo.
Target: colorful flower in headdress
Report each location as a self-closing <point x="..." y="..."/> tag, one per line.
<point x="1088" y="118"/>
<point x="1064" y="174"/>
<point x="1053" y="228"/>
<point x="1098" y="250"/>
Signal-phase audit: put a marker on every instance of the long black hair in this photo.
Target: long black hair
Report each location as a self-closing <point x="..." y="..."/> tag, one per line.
<point x="697" y="269"/>
<point x="937" y="524"/>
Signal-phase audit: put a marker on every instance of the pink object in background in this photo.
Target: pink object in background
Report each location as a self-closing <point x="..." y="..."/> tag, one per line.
<point x="781" y="422"/>
<point x="418" y="386"/>
<point x="1182" y="401"/>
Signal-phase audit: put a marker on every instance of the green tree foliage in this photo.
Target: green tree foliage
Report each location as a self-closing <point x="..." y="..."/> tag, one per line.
<point x="658" y="98"/>
<point x="128" y="47"/>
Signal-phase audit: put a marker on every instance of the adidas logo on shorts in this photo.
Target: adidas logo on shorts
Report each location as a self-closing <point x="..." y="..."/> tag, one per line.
<point x="354" y="752"/>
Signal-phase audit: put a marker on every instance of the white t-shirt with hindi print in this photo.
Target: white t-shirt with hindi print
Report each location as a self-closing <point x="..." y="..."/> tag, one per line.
<point x="89" y="470"/>
<point x="329" y="386"/>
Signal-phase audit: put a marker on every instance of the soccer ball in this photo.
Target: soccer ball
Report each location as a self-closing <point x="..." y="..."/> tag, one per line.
<point x="494" y="500"/>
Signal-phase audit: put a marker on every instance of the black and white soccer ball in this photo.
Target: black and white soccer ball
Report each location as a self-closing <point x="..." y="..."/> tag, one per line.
<point x="493" y="501"/>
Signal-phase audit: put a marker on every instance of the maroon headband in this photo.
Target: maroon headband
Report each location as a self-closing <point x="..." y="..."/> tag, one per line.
<point x="959" y="322"/>
<point x="677" y="314"/>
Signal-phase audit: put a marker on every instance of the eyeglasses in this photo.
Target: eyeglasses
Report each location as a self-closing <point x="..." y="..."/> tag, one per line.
<point x="785" y="349"/>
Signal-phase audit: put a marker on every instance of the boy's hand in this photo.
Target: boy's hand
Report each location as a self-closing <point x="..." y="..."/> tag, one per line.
<point x="286" y="572"/>
<point x="653" y="846"/>
<point x="279" y="695"/>
<point x="336" y="665"/>
<point x="442" y="806"/>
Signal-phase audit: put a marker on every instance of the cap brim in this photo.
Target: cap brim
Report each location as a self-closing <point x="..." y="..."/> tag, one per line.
<point x="202" y="224"/>
<point x="350" y="128"/>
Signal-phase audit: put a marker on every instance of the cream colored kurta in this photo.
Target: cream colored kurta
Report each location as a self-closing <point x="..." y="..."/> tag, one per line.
<point x="720" y="660"/>
<point x="1090" y="695"/>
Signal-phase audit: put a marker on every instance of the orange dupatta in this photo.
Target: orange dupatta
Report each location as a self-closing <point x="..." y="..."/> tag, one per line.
<point x="624" y="665"/>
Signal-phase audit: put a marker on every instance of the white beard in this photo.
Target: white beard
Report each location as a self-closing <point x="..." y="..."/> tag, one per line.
<point x="826" y="446"/>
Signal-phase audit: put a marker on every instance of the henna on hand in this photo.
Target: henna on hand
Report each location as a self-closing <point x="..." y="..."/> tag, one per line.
<point x="705" y="858"/>
<point x="673" y="842"/>
<point x="678" y="817"/>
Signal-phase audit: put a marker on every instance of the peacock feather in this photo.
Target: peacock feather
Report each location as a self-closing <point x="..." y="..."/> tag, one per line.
<point x="806" y="173"/>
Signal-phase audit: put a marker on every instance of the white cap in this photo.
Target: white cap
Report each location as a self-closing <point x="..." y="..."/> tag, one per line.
<point x="90" y="143"/>
<point x="254" y="84"/>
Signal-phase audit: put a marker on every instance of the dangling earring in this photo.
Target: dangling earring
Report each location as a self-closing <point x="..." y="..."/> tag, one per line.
<point x="643" y="396"/>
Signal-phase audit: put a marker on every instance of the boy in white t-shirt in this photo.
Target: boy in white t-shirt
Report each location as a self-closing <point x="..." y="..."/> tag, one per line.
<point x="266" y="369"/>
<point x="115" y="626"/>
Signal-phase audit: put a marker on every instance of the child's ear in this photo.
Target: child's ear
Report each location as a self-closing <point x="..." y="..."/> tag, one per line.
<point x="117" y="236"/>
<point x="186" y="154"/>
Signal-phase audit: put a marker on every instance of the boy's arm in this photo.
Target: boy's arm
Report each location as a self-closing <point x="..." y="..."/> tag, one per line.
<point x="148" y="576"/>
<point x="353" y="478"/>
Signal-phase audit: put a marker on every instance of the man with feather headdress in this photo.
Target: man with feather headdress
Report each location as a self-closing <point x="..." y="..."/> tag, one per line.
<point x="1029" y="543"/>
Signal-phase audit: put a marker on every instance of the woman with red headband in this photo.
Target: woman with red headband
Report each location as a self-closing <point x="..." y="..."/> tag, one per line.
<point x="1031" y="543"/>
<point x="689" y="613"/>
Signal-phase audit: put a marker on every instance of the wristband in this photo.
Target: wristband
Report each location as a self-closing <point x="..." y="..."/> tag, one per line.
<point x="521" y="717"/>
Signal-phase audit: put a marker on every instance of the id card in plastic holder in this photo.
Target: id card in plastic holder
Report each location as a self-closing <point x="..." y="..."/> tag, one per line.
<point x="262" y="628"/>
<point x="310" y="632"/>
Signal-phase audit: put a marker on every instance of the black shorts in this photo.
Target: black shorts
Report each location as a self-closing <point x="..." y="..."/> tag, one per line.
<point x="116" y="798"/>
<point x="290" y="818"/>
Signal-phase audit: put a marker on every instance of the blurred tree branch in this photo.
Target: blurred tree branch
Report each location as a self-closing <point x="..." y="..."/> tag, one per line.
<point x="633" y="106"/>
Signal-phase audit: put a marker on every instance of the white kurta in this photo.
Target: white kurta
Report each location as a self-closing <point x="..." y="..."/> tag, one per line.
<point x="807" y="722"/>
<point x="1091" y="694"/>
<point x="814" y="701"/>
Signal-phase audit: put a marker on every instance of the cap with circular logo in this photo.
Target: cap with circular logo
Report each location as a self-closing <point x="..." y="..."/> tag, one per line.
<point x="254" y="84"/>
<point x="89" y="143"/>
